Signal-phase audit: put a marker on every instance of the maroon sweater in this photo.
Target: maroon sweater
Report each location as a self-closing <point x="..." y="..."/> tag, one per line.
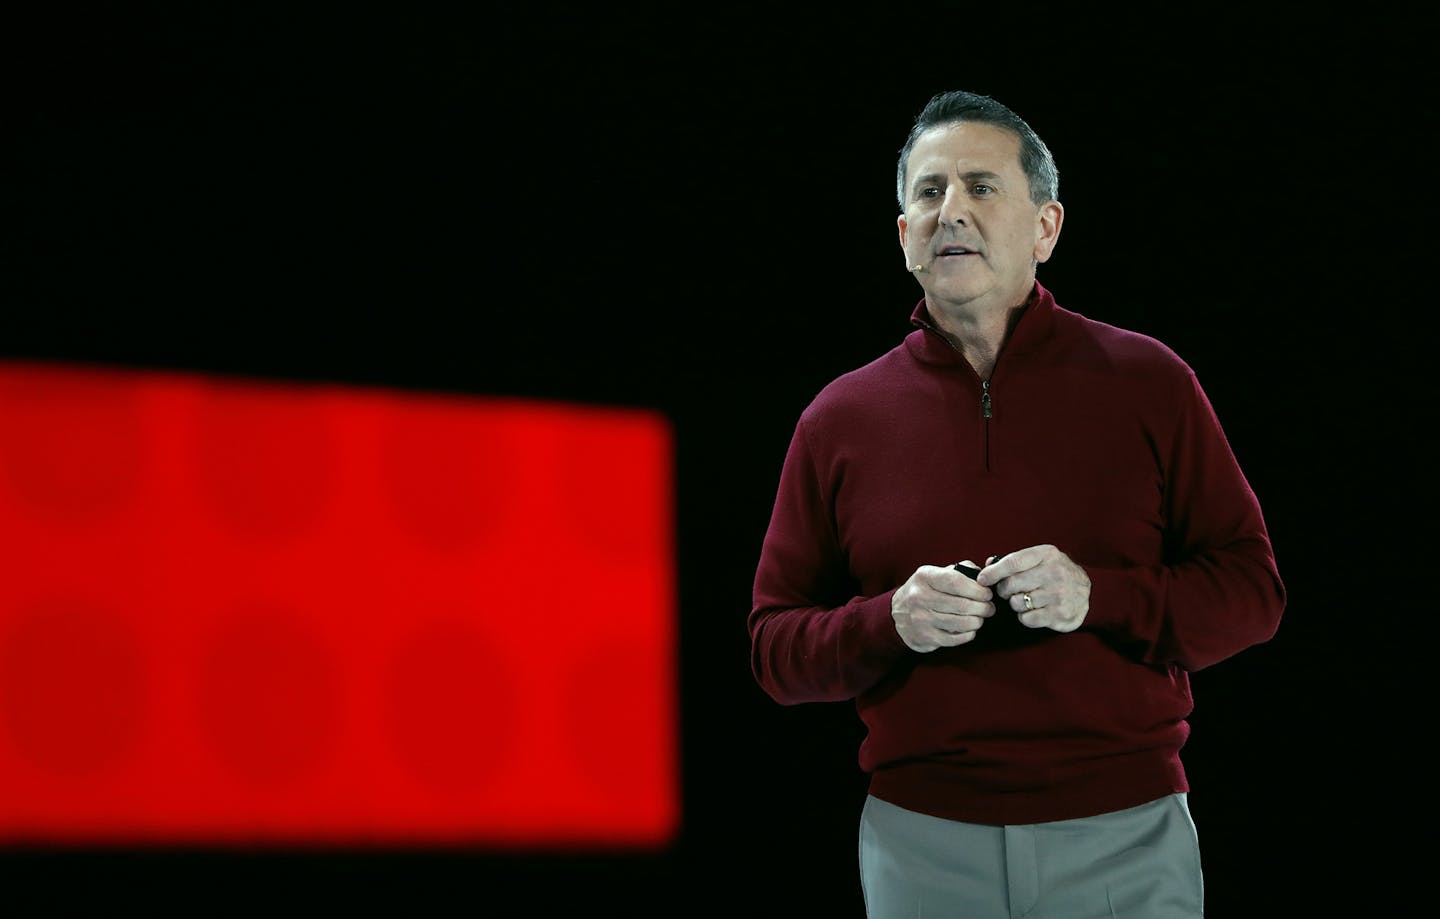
<point x="1092" y="438"/>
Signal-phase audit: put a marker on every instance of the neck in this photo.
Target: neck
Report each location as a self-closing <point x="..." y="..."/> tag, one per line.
<point x="978" y="336"/>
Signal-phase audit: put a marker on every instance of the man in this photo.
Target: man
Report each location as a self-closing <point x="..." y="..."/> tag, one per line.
<point x="1023" y="723"/>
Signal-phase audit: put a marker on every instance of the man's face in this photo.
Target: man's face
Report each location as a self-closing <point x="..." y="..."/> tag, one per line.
<point x="969" y="220"/>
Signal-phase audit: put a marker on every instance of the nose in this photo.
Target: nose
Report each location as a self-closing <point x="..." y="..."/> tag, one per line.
<point x="954" y="210"/>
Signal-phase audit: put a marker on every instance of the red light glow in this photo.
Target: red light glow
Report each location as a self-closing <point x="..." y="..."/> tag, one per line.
<point x="236" y="611"/>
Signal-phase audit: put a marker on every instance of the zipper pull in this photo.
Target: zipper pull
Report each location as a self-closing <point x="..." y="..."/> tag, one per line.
<point x="985" y="398"/>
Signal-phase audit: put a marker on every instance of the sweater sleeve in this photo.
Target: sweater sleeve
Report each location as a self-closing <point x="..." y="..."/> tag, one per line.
<point x="811" y="638"/>
<point x="1219" y="590"/>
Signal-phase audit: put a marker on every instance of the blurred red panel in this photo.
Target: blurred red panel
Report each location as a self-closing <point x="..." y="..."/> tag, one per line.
<point x="239" y="611"/>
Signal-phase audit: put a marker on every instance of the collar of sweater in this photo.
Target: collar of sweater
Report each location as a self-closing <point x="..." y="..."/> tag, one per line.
<point x="930" y="346"/>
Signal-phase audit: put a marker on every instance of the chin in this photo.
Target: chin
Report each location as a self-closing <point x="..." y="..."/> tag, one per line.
<point x="959" y="291"/>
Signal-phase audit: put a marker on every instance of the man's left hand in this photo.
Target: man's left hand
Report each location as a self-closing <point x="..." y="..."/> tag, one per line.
<point x="1042" y="585"/>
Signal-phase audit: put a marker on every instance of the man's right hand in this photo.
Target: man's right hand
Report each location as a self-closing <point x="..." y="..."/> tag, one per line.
<point x="940" y="608"/>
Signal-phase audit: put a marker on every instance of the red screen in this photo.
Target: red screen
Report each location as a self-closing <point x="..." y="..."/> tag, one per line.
<point x="236" y="610"/>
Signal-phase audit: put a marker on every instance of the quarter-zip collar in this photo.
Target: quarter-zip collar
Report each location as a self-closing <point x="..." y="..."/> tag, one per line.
<point x="928" y="345"/>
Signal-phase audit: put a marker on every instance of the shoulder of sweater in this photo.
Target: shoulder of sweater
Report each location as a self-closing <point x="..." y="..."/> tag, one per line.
<point x="854" y="387"/>
<point x="1126" y="347"/>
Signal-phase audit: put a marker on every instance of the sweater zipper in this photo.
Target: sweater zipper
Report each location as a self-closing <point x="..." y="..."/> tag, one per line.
<point x="985" y="404"/>
<point x="985" y="412"/>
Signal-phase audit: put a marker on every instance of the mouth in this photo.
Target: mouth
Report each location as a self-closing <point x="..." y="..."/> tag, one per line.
<point x="956" y="250"/>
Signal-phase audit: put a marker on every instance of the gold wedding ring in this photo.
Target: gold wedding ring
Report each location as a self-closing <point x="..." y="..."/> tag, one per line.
<point x="1028" y="605"/>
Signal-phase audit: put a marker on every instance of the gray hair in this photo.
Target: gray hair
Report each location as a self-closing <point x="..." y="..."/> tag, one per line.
<point x="957" y="106"/>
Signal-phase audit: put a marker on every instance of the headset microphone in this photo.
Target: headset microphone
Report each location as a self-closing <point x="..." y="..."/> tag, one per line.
<point x="917" y="268"/>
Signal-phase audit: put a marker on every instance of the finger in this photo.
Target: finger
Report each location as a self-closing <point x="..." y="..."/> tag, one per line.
<point x="1016" y="601"/>
<point x="979" y="601"/>
<point x="964" y="606"/>
<point x="954" y="625"/>
<point x="946" y="580"/>
<point x="959" y="627"/>
<point x="951" y="582"/>
<point x="979" y="609"/>
<point x="949" y="640"/>
<point x="1015" y="586"/>
<point x="1000" y="567"/>
<point x="1033" y="620"/>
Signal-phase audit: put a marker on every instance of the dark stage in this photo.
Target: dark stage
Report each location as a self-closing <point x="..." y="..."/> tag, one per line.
<point x="693" y="213"/>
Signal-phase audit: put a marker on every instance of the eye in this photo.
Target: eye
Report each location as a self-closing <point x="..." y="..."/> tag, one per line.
<point x="929" y="191"/>
<point x="981" y="189"/>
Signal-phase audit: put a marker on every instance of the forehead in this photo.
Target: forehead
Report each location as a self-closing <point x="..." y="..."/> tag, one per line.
<point x="965" y="147"/>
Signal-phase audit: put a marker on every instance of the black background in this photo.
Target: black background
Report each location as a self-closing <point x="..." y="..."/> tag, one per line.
<point x="692" y="210"/>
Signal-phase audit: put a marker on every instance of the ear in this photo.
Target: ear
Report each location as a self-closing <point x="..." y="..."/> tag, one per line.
<point x="1047" y="229"/>
<point x="904" y="229"/>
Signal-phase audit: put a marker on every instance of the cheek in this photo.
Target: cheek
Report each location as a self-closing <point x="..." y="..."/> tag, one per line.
<point x="922" y="227"/>
<point x="1025" y="242"/>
